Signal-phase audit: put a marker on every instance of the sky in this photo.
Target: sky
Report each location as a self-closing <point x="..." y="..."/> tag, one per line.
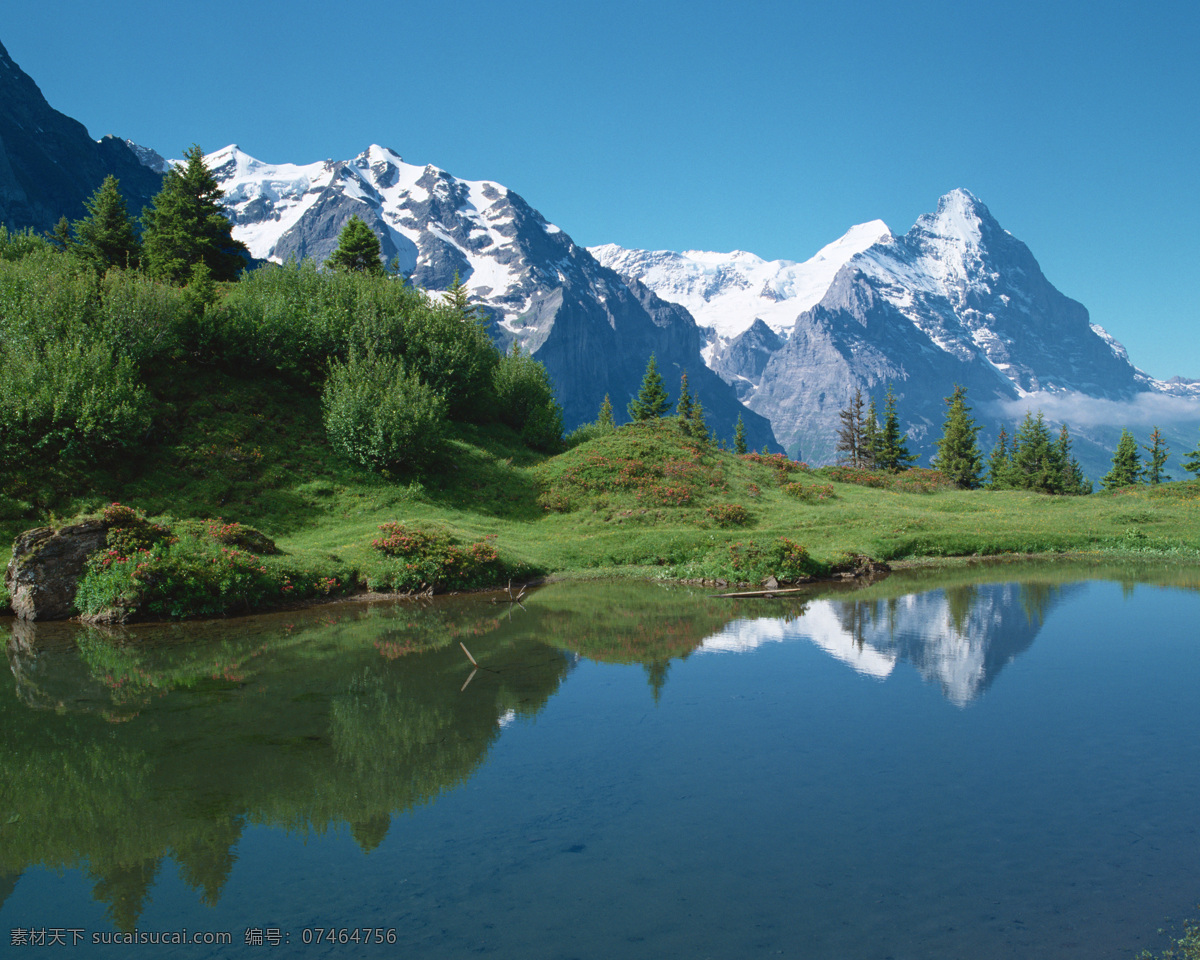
<point x="770" y="127"/>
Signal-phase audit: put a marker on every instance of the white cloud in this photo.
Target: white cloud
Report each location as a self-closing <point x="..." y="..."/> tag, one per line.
<point x="1077" y="409"/>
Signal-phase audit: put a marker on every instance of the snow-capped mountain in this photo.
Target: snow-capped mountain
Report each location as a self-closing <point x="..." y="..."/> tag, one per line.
<point x="957" y="299"/>
<point x="729" y="291"/>
<point x="592" y="329"/>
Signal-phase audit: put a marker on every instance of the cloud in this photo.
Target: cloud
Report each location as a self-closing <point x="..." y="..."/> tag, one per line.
<point x="1080" y="410"/>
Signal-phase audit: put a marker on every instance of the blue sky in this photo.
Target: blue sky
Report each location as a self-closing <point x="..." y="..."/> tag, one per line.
<point x="763" y="126"/>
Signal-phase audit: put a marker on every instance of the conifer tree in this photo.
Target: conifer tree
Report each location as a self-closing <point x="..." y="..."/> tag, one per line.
<point x="684" y="407"/>
<point x="852" y="432"/>
<point x="358" y="252"/>
<point x="1158" y="451"/>
<point x="1192" y="463"/>
<point x="871" y="437"/>
<point x="739" y="437"/>
<point x="698" y="425"/>
<point x="604" y="419"/>
<point x="958" y="457"/>
<point x="1126" y="464"/>
<point x="1073" y="481"/>
<point x="1000" y="463"/>
<point x="893" y="452"/>
<point x="1034" y="464"/>
<point x="61" y="237"/>
<point x="185" y="225"/>
<point x="652" y="400"/>
<point x="106" y="236"/>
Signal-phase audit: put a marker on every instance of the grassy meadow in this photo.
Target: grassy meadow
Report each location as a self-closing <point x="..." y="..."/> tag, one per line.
<point x="644" y="500"/>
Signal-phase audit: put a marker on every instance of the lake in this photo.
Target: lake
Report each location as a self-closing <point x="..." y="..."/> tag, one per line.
<point x="993" y="762"/>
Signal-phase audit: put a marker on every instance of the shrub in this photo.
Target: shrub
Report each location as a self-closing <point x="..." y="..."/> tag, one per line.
<point x="728" y="514"/>
<point x="430" y="559"/>
<point x="379" y="416"/>
<point x="236" y="534"/>
<point x="525" y="400"/>
<point x="72" y="399"/>
<point x="810" y="492"/>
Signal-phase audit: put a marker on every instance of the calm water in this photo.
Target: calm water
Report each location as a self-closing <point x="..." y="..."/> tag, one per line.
<point x="1003" y="766"/>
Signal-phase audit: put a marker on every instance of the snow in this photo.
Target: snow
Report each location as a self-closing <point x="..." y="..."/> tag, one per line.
<point x="725" y="290"/>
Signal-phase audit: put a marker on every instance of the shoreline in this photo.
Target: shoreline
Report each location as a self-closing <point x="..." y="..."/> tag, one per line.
<point x="737" y="590"/>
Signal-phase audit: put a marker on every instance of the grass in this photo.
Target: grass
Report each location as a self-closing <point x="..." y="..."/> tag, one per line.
<point x="643" y="501"/>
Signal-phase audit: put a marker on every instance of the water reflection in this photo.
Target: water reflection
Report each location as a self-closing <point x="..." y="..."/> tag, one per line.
<point x="124" y="749"/>
<point x="959" y="637"/>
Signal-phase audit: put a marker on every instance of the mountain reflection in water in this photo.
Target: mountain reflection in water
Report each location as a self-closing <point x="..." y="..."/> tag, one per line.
<point x="959" y="637"/>
<point x="127" y="749"/>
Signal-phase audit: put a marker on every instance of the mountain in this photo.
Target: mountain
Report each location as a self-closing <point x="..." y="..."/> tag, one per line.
<point x="957" y="299"/>
<point x="49" y="165"/>
<point x="592" y="329"/>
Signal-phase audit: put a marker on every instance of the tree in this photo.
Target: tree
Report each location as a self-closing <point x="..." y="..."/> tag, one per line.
<point x="852" y="440"/>
<point x="185" y="225"/>
<point x="652" y="400"/>
<point x="892" y="452"/>
<point x="739" y="437"/>
<point x="958" y="456"/>
<point x="684" y="407"/>
<point x="525" y="399"/>
<point x="1192" y="463"/>
<point x="358" y="252"/>
<point x="1000" y="463"/>
<point x="106" y="236"/>
<point x="61" y="237"/>
<point x="1158" y="451"/>
<point x="1034" y="463"/>
<point x="697" y="425"/>
<point x="870" y="438"/>
<point x="1126" y="464"/>
<point x="604" y="419"/>
<point x="1073" y="481"/>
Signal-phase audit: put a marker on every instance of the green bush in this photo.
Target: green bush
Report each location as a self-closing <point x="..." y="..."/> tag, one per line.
<point x="525" y="400"/>
<point x="379" y="416"/>
<point x="728" y="514"/>
<point x="71" y="399"/>
<point x="420" y="559"/>
<point x="296" y="319"/>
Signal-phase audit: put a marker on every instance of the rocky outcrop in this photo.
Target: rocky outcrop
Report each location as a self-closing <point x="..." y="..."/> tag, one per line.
<point x="46" y="567"/>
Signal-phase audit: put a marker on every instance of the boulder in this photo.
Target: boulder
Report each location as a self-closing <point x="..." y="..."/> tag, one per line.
<point x="46" y="567"/>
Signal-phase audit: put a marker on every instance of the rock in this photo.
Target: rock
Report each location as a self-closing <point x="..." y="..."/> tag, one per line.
<point x="46" y="567"/>
<point x="770" y="583"/>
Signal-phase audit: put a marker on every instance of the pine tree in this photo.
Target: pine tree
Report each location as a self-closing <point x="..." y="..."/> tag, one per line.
<point x="852" y="432"/>
<point x="1000" y="463"/>
<point x="1192" y="463"/>
<point x="1073" y="481"/>
<point x="185" y="225"/>
<point x="604" y="419"/>
<point x="1034" y="465"/>
<point x="893" y="452"/>
<point x="61" y="237"/>
<point x="698" y="425"/>
<point x="106" y="236"/>
<point x="652" y="400"/>
<point x="958" y="457"/>
<point x="1158" y="451"/>
<point x="739" y="437"/>
<point x="870" y="438"/>
<point x="684" y="407"/>
<point x="358" y="252"/>
<point x="1126" y="464"/>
